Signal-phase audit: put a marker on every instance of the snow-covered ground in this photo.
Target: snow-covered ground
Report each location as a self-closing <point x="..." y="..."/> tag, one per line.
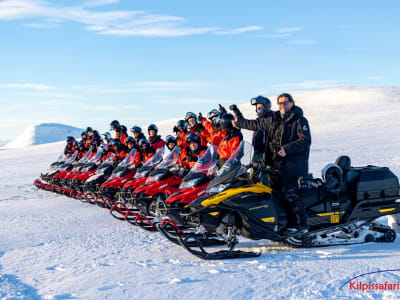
<point x="54" y="247"/>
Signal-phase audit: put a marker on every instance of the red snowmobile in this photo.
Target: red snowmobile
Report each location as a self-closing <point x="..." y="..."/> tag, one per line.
<point x="124" y="206"/>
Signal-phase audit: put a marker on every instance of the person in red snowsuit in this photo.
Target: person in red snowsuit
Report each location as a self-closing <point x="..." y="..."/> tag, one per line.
<point x="181" y="131"/>
<point x="197" y="128"/>
<point x="189" y="155"/>
<point x="212" y="124"/>
<point x="155" y="140"/>
<point x="119" y="133"/>
<point x="228" y="139"/>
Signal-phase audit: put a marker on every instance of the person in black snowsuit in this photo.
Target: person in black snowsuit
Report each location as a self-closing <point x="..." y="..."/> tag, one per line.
<point x="287" y="151"/>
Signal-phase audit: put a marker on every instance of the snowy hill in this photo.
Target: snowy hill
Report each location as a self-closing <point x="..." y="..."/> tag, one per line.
<point x="54" y="247"/>
<point x="43" y="134"/>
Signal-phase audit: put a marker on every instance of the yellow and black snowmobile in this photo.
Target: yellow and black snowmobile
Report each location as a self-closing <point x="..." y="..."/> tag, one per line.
<point x="341" y="208"/>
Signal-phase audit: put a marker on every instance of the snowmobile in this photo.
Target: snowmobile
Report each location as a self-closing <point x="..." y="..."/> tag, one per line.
<point x="75" y="170"/>
<point x="163" y="180"/>
<point x="59" y="166"/>
<point x="149" y="198"/>
<point x="121" y="174"/>
<point x="77" y="182"/>
<point x="124" y="208"/>
<point x="92" y="184"/>
<point x="341" y="208"/>
<point x="193" y="185"/>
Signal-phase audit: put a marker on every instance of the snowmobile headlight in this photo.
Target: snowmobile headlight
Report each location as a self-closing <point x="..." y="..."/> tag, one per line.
<point x="218" y="189"/>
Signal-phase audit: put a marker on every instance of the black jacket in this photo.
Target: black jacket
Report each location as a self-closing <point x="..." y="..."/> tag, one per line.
<point x="260" y="138"/>
<point x="295" y="138"/>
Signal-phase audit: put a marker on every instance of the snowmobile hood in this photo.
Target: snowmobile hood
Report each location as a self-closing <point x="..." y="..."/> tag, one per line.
<point x="218" y="198"/>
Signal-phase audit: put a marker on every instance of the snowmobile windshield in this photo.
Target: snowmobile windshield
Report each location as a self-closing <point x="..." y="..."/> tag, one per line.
<point x="150" y="164"/>
<point x="109" y="160"/>
<point x="105" y="165"/>
<point x="118" y="173"/>
<point x="203" y="170"/>
<point x="161" y="171"/>
<point x="72" y="158"/>
<point x="155" y="159"/>
<point x="171" y="159"/>
<point x="86" y="157"/>
<point x="97" y="156"/>
<point x="129" y="160"/>
<point x="233" y="167"/>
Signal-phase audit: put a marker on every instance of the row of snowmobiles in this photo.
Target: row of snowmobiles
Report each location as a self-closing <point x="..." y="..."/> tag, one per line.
<point x="216" y="206"/>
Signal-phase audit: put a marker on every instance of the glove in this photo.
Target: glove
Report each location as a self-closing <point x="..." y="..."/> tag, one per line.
<point x="222" y="109"/>
<point x="236" y="111"/>
<point x="175" y="129"/>
<point x="200" y="117"/>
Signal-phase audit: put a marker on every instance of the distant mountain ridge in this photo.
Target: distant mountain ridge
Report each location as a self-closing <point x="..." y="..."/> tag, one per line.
<point x="44" y="133"/>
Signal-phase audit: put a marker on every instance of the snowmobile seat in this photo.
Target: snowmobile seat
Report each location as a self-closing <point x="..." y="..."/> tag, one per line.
<point x="332" y="175"/>
<point x="344" y="162"/>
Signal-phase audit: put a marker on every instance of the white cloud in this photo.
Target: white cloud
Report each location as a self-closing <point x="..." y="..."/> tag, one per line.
<point x="32" y="86"/>
<point x="41" y="25"/>
<point x="289" y="29"/>
<point x="95" y="3"/>
<point x="239" y="30"/>
<point x="304" y="42"/>
<point x="115" y="22"/>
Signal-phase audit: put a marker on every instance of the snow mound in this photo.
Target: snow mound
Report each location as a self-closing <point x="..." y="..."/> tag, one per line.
<point x="43" y="134"/>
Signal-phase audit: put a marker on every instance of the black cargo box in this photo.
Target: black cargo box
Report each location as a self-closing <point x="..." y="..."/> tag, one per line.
<point x="370" y="182"/>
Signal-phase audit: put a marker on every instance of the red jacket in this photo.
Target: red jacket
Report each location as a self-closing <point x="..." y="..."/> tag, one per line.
<point x="228" y="142"/>
<point x="156" y="142"/>
<point x="211" y="130"/>
<point x="181" y="139"/>
<point x="201" y="131"/>
<point x="188" y="158"/>
<point x="122" y="136"/>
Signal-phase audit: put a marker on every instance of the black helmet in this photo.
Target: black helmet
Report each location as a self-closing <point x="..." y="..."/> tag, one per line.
<point x="193" y="138"/>
<point x="84" y="133"/>
<point x="190" y="115"/>
<point x="89" y="129"/>
<point x="130" y="139"/>
<point x="115" y="143"/>
<point x="70" y="139"/>
<point x="81" y="144"/>
<point x="182" y="125"/>
<point x="266" y="104"/>
<point x="152" y="127"/>
<point x="170" y="139"/>
<point x="75" y="144"/>
<point x="142" y="142"/>
<point x="226" y="121"/>
<point x="96" y="134"/>
<point x="213" y="113"/>
<point x="124" y="129"/>
<point x="114" y="125"/>
<point x="136" y="129"/>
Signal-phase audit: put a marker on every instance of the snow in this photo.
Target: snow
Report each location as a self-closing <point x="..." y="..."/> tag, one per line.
<point x="54" y="247"/>
<point x="44" y="133"/>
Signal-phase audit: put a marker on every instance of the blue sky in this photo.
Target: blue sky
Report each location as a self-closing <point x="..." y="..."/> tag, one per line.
<point x="89" y="62"/>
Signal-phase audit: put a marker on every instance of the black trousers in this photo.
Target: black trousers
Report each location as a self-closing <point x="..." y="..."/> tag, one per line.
<point x="294" y="205"/>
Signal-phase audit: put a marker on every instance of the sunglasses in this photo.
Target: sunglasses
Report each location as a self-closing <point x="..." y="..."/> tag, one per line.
<point x="284" y="102"/>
